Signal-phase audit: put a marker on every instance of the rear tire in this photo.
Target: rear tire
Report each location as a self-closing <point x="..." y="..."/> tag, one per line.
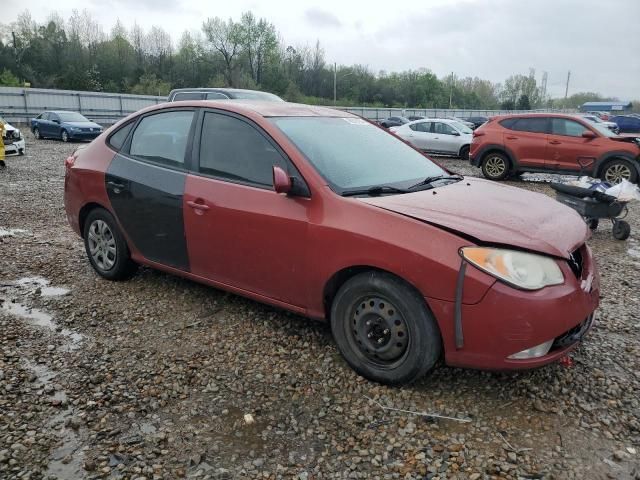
<point x="617" y="170"/>
<point x="464" y="152"/>
<point x="495" y="166"/>
<point x="384" y="329"/>
<point x="106" y="247"/>
<point x="592" y="223"/>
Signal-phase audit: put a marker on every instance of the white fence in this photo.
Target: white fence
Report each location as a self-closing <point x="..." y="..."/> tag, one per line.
<point x="18" y="105"/>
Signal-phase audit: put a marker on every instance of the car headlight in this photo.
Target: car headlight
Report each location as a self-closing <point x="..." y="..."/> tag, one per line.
<point x="519" y="269"/>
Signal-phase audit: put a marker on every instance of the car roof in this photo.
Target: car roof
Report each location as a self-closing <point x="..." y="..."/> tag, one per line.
<point x="265" y="109"/>
<point x="536" y="114"/>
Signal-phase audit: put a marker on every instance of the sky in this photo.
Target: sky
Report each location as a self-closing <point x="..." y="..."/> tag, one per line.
<point x="598" y="41"/>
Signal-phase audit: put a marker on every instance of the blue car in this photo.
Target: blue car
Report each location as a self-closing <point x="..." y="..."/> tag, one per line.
<point x="65" y="126"/>
<point x="627" y="123"/>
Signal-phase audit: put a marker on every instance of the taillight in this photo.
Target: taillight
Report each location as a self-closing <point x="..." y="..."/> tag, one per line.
<point x="476" y="133"/>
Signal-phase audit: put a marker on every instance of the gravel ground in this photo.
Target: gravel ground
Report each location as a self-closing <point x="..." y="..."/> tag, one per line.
<point x="159" y="377"/>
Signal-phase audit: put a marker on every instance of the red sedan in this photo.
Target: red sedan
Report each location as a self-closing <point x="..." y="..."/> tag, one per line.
<point x="322" y="213"/>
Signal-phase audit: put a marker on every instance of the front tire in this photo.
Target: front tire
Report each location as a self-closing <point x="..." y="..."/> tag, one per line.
<point x="617" y="170"/>
<point x="495" y="166"/>
<point x="64" y="136"/>
<point x="36" y="133"/>
<point x="106" y="247"/>
<point x="384" y="329"/>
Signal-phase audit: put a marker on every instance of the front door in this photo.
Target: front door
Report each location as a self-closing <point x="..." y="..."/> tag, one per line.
<point x="240" y="232"/>
<point x="145" y="183"/>
<point x="567" y="149"/>
<point x="446" y="138"/>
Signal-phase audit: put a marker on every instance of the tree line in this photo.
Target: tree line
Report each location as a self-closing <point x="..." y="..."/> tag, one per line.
<point x="77" y="54"/>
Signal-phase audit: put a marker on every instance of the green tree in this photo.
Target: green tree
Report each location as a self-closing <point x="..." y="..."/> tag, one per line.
<point x="8" y="79"/>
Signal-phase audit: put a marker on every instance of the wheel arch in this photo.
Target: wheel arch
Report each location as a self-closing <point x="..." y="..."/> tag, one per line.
<point x="340" y="277"/>
<point x="602" y="162"/>
<point x="84" y="213"/>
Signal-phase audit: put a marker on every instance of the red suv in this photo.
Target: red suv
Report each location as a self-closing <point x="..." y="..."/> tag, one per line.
<point x="324" y="214"/>
<point x="553" y="143"/>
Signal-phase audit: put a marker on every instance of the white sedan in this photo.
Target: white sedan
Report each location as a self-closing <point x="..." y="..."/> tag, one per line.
<point x="437" y="135"/>
<point x="13" y="140"/>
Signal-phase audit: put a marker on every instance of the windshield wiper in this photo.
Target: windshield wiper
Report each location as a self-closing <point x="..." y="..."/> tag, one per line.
<point x="435" y="178"/>
<point x="374" y="191"/>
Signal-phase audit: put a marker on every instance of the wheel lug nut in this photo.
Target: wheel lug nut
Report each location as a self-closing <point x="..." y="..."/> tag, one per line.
<point x="380" y="340"/>
<point x="368" y="323"/>
<point x="369" y="335"/>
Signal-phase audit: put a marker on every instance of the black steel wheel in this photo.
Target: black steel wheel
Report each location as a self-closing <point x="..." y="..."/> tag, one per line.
<point x="106" y="247"/>
<point x="621" y="230"/>
<point x="464" y="152"/>
<point x="384" y="329"/>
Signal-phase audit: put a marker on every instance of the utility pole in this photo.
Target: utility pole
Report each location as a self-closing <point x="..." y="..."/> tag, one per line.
<point x="451" y="92"/>
<point x="335" y="81"/>
<point x="566" y="90"/>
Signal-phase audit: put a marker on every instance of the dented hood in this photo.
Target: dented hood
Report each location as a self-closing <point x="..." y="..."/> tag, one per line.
<point x="494" y="213"/>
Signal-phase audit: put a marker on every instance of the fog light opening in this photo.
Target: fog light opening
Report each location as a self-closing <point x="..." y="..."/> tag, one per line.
<point x="533" y="352"/>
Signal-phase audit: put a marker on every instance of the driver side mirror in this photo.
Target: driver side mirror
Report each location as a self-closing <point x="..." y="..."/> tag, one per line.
<point x="56" y="121"/>
<point x="455" y="133"/>
<point x="281" y="180"/>
<point x="588" y="134"/>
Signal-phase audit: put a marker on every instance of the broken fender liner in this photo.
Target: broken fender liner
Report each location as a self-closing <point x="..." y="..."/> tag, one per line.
<point x="458" y="304"/>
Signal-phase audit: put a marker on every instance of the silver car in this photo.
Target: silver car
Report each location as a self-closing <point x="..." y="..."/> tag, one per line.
<point x="437" y="135"/>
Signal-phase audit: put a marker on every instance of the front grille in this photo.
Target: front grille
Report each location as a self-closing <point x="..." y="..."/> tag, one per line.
<point x="576" y="262"/>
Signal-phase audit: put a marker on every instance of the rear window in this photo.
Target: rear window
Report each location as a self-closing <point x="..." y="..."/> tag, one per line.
<point x="533" y="125"/>
<point x="117" y="139"/>
<point x="162" y="137"/>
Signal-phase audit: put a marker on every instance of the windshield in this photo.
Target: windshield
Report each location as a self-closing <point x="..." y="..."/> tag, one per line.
<point x="71" y="117"/>
<point x="270" y="97"/>
<point x="462" y="128"/>
<point x="350" y="153"/>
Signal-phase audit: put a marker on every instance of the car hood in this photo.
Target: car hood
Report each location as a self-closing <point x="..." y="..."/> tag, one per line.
<point x="494" y="214"/>
<point x="82" y="124"/>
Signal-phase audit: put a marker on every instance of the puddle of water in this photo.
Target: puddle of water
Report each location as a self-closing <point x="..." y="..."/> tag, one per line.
<point x="147" y="428"/>
<point x="43" y="284"/>
<point x="39" y="318"/>
<point x="634" y="252"/>
<point x="11" y="232"/>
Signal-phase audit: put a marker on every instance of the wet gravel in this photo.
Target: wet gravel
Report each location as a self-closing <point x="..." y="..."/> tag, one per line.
<point x="162" y="378"/>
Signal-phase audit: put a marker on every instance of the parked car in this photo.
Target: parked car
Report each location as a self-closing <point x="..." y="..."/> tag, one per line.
<point x="477" y="121"/>
<point x="318" y="211"/>
<point x="13" y="140"/>
<point x="626" y="123"/>
<point x="437" y="135"/>
<point x="554" y="143"/>
<point x="393" y="122"/>
<point x="601" y="115"/>
<point x="462" y="121"/>
<point x="595" y="119"/>
<point x="180" y="94"/>
<point x="411" y="118"/>
<point x="65" y="126"/>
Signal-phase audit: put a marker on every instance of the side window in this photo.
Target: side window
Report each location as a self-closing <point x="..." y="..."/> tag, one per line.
<point x="216" y="96"/>
<point x="233" y="149"/>
<point x="54" y="118"/>
<point x="533" y="125"/>
<point x="414" y="127"/>
<point x="562" y="126"/>
<point x="117" y="139"/>
<point x="188" y="96"/>
<point x="443" y="128"/>
<point x="162" y="137"/>
<point x="424" y="127"/>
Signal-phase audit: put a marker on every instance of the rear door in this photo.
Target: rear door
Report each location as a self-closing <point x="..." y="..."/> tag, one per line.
<point x="240" y="232"/>
<point x="419" y="135"/>
<point x="526" y="138"/>
<point x="145" y="183"/>
<point x="567" y="149"/>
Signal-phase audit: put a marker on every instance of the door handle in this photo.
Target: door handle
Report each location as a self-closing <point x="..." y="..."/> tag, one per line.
<point x="115" y="185"/>
<point x="511" y="137"/>
<point x="555" y="142"/>
<point x="197" y="205"/>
